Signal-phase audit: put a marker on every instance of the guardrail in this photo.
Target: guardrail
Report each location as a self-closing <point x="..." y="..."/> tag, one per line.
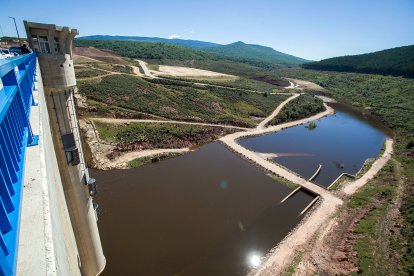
<point x="17" y="84"/>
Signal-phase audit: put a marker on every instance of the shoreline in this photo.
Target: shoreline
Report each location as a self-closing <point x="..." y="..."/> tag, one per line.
<point x="314" y="221"/>
<point x="317" y="222"/>
<point x="278" y="259"/>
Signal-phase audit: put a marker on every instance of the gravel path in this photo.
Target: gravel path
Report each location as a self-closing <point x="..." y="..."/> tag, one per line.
<point x="123" y="121"/>
<point x="121" y="161"/>
<point x="263" y="123"/>
<point x="353" y="186"/>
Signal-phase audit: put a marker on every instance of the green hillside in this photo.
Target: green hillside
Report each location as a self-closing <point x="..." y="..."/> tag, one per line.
<point x="182" y="42"/>
<point x="395" y="62"/>
<point x="147" y="50"/>
<point x="256" y="55"/>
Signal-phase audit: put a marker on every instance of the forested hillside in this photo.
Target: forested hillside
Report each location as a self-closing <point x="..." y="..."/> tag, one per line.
<point x="396" y="62"/>
<point x="148" y="50"/>
<point x="256" y="55"/>
<point x="182" y="42"/>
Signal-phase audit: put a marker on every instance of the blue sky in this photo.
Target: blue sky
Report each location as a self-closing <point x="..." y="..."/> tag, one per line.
<point x="312" y="29"/>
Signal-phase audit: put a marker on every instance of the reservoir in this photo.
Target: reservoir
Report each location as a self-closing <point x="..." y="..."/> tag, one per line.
<point x="208" y="212"/>
<point x="341" y="143"/>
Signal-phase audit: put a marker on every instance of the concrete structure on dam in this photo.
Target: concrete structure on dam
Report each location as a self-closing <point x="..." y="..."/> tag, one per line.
<point x="48" y="219"/>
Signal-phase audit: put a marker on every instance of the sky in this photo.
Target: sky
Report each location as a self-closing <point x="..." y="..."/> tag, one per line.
<point x="311" y="29"/>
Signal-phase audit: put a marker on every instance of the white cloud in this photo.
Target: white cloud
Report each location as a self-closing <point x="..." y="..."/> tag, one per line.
<point x="191" y="32"/>
<point x="174" y="36"/>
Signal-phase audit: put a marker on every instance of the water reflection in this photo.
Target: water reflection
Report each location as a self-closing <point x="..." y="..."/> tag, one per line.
<point x="254" y="260"/>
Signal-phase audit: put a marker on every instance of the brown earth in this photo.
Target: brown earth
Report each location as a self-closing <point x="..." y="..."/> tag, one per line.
<point x="334" y="252"/>
<point x="307" y="85"/>
<point x="281" y="83"/>
<point x="104" y="155"/>
<point x="102" y="55"/>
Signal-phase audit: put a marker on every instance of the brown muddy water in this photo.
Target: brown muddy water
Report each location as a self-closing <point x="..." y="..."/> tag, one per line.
<point x="208" y="212"/>
<point x="341" y="143"/>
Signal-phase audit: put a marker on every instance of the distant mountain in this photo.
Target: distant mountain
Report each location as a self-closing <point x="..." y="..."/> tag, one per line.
<point x="182" y="42"/>
<point x="256" y="55"/>
<point x="396" y="62"/>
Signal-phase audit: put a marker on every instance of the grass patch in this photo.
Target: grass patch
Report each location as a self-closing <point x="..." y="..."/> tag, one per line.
<point x="138" y="162"/>
<point x="157" y="135"/>
<point x="83" y="60"/>
<point x="292" y="267"/>
<point x="113" y="67"/>
<point x="236" y="83"/>
<point x="86" y="72"/>
<point x="366" y="246"/>
<point x="376" y="247"/>
<point x="365" y="195"/>
<point x="284" y="181"/>
<point x="214" y="105"/>
<point x="303" y="106"/>
<point x="153" y="67"/>
<point x="99" y="109"/>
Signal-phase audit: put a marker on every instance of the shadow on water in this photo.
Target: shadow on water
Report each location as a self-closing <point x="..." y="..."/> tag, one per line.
<point x="203" y="213"/>
<point x="341" y="143"/>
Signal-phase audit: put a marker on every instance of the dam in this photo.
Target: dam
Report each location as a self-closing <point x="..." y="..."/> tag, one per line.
<point x="48" y="219"/>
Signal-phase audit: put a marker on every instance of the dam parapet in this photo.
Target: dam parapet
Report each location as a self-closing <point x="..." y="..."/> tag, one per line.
<point x="49" y="219"/>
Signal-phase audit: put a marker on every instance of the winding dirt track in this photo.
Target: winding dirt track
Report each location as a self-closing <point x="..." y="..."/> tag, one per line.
<point x="263" y="123"/>
<point x="144" y="67"/>
<point x="122" y="121"/>
<point x="148" y="74"/>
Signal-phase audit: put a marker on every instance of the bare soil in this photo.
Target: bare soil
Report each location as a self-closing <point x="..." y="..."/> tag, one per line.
<point x="178" y="71"/>
<point x="334" y="252"/>
<point x="102" y="55"/>
<point x="280" y="83"/>
<point x="307" y="85"/>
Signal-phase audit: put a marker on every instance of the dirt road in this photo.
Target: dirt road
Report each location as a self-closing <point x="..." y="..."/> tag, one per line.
<point x="122" y="160"/>
<point x="263" y="123"/>
<point x="123" y="121"/>
<point x="144" y="67"/>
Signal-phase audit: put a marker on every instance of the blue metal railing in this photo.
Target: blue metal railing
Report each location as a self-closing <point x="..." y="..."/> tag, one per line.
<point x="17" y="77"/>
